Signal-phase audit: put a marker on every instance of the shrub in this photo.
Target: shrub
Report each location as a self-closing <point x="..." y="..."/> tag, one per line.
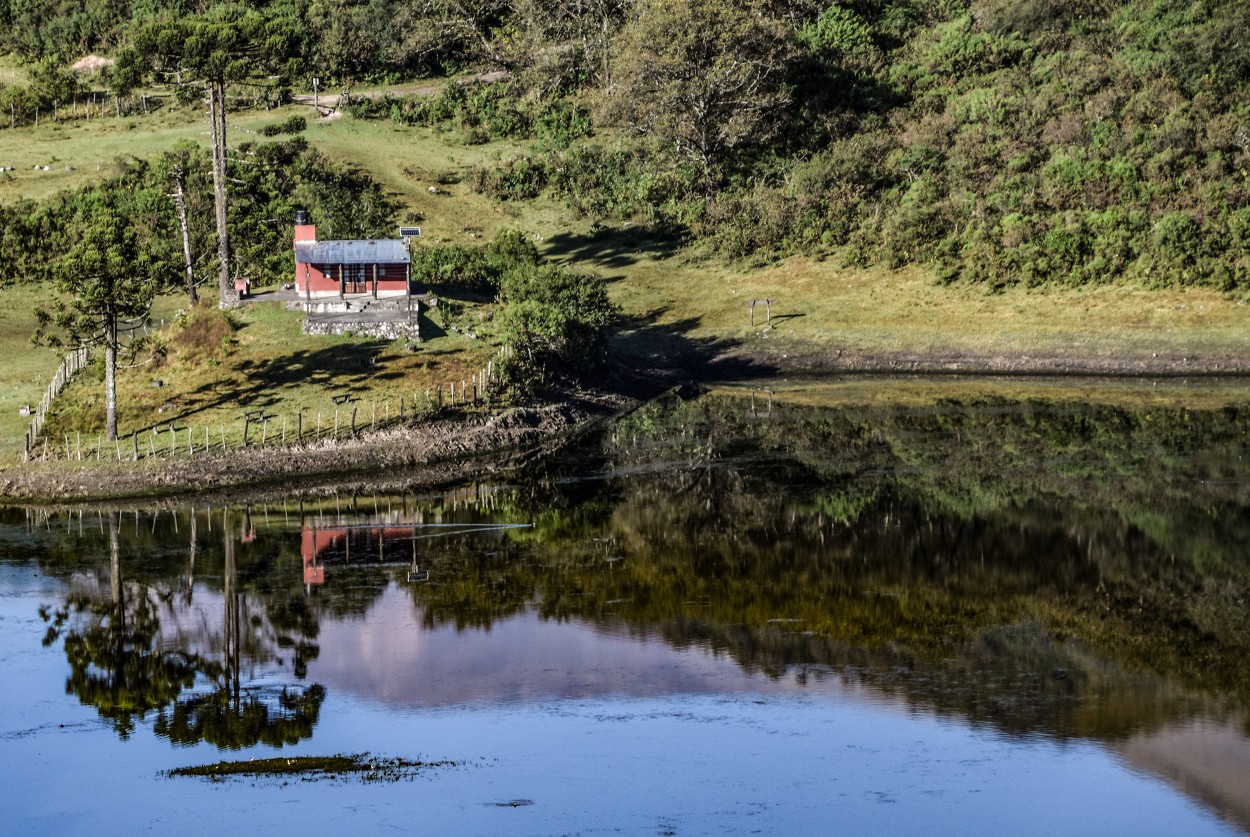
<point x="294" y="125"/>
<point x="207" y="332"/>
<point x="554" y="320"/>
<point x="1178" y="239"/>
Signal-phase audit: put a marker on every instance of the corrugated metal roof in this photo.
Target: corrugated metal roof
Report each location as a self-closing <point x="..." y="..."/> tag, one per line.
<point x="372" y="251"/>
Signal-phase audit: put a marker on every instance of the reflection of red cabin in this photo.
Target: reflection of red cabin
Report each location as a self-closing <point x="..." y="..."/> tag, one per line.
<point x="314" y="574"/>
<point x="314" y="542"/>
<point x="380" y="267"/>
<point x="369" y="545"/>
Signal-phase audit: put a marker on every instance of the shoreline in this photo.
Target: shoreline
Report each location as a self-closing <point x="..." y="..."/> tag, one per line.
<point x="426" y="455"/>
<point x="440" y="451"/>
<point x="808" y="359"/>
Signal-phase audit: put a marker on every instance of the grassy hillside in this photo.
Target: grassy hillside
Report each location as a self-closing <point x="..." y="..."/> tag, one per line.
<point x="1058" y="178"/>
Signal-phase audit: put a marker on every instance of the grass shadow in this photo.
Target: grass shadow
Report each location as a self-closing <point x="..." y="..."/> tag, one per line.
<point x="254" y="386"/>
<point x="613" y="247"/>
<point x="648" y="355"/>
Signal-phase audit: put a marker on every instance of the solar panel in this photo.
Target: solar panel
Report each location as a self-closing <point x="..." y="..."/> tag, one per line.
<point x="409" y="232"/>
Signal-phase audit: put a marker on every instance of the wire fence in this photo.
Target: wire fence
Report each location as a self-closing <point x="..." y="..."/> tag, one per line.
<point x="70" y="366"/>
<point x="347" y="418"/>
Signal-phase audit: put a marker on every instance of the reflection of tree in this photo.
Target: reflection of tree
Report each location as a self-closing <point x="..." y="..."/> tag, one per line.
<point x="115" y="664"/>
<point x="230" y="716"/>
<point x="232" y="720"/>
<point x="121" y="665"/>
<point x="1020" y="565"/>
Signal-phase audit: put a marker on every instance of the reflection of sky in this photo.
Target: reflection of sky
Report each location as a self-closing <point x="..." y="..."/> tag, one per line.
<point x="387" y="656"/>
<point x="694" y="763"/>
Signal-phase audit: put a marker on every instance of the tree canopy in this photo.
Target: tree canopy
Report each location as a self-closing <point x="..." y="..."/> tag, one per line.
<point x="108" y="279"/>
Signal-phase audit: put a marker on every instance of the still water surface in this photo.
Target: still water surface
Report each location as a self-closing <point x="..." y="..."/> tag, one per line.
<point x="732" y="614"/>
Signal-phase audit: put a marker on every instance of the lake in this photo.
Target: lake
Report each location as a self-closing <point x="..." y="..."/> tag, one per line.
<point x="868" y="606"/>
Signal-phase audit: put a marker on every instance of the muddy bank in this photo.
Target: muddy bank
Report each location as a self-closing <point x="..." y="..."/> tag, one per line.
<point x="753" y="361"/>
<point x="820" y="360"/>
<point x="418" y="456"/>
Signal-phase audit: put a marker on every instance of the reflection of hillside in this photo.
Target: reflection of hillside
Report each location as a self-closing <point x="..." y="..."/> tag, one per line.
<point x="1207" y="760"/>
<point x="1075" y="571"/>
<point x="918" y="526"/>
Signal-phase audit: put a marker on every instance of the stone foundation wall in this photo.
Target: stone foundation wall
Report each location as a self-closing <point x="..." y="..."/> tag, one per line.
<point x="382" y="330"/>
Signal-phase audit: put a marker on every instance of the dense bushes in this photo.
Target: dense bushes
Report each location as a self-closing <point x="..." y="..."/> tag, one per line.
<point x="482" y="112"/>
<point x="294" y="125"/>
<point x="269" y="181"/>
<point x="477" y="270"/>
<point x="552" y="318"/>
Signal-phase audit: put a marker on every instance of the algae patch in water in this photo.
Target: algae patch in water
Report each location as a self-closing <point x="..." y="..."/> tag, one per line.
<point x="361" y="767"/>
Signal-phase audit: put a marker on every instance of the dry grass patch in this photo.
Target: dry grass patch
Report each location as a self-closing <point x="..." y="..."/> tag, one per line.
<point x="821" y="304"/>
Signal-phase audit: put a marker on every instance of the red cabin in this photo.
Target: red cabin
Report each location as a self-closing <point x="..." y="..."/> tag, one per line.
<point x="379" y="267"/>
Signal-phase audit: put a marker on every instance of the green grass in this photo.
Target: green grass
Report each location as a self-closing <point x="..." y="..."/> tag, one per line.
<point x="13" y="71"/>
<point x="367" y="767"/>
<point x="27" y="368"/>
<point x="926" y="391"/>
<point x="406" y="161"/>
<point x="269" y="367"/>
<point x="820" y="305"/>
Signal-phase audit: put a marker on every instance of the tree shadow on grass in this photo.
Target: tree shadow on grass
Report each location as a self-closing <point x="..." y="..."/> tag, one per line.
<point x="648" y="355"/>
<point x="613" y="247"/>
<point x="255" y="386"/>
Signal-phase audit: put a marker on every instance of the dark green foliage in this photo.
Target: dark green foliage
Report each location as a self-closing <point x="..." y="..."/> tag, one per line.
<point x="273" y="180"/>
<point x="475" y="270"/>
<point x="294" y="125"/>
<point x="483" y="112"/>
<point x="270" y="181"/>
<point x="554" y="320"/>
<point x="1002" y="141"/>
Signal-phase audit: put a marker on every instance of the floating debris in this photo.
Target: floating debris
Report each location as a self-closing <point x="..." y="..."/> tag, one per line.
<point x="361" y="766"/>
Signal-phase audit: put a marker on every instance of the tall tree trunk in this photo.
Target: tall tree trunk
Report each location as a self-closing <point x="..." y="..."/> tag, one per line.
<point x="217" y="114"/>
<point x="110" y="378"/>
<point x="115" y="561"/>
<point x="231" y="616"/>
<point x="118" y="622"/>
<point x="180" y="204"/>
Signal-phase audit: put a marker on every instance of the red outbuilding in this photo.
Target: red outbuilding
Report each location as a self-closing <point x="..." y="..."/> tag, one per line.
<point x="379" y="267"/>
